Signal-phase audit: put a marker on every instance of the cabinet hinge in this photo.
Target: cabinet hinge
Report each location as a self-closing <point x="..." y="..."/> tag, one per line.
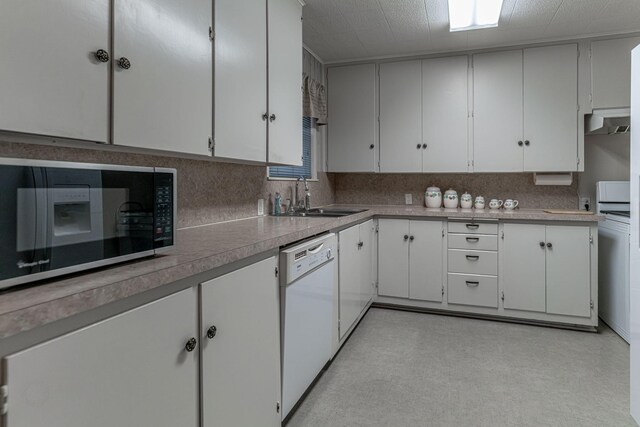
<point x="277" y="407"/>
<point x="578" y="161"/>
<point x="277" y="271"/>
<point x="591" y="239"/>
<point x="591" y="304"/>
<point x="4" y="399"/>
<point x="502" y="296"/>
<point x="211" y="144"/>
<point x="377" y="228"/>
<point x="502" y="235"/>
<point x="442" y="290"/>
<point x="338" y="327"/>
<point x="212" y="34"/>
<point x="443" y="232"/>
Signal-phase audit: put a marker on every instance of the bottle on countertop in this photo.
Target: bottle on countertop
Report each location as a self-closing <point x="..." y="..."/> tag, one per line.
<point x="277" y="205"/>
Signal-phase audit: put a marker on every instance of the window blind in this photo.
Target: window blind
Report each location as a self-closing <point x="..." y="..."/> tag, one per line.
<point x="297" y="171"/>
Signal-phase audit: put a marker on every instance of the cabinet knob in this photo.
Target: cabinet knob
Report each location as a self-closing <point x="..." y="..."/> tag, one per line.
<point x="265" y="116"/>
<point x="520" y="143"/>
<point x="211" y="332"/>
<point x="102" y="55"/>
<point x="527" y="143"/>
<point x="411" y="238"/>
<point x="272" y="118"/>
<point x="191" y="344"/>
<point x="371" y="147"/>
<point x="124" y="63"/>
<point x="542" y="244"/>
<point x="419" y="146"/>
<point x="424" y="146"/>
<point x="406" y="237"/>
<point x="360" y="244"/>
<point x="549" y="245"/>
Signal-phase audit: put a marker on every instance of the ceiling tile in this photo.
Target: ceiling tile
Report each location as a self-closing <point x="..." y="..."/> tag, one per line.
<point x="538" y="13"/>
<point x="367" y="20"/>
<point x="579" y="10"/>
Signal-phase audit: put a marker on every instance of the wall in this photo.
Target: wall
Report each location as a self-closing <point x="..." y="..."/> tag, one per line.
<point x="390" y="188"/>
<point x="208" y="191"/>
<point x="607" y="158"/>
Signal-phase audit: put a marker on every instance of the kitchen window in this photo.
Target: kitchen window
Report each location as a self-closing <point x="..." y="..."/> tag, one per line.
<point x="307" y="169"/>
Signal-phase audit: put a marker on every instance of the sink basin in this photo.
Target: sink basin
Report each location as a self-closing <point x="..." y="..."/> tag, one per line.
<point x="327" y="212"/>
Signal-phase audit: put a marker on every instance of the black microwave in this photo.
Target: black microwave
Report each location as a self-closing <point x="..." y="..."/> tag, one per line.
<point x="59" y="217"/>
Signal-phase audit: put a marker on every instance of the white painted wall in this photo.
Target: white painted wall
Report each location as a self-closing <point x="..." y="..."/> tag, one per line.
<point x="606" y="159"/>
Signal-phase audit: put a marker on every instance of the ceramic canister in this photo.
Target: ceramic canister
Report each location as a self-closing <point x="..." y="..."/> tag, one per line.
<point x="433" y="197"/>
<point x="450" y="199"/>
<point x="510" y="204"/>
<point x="495" y="204"/>
<point x="479" y="203"/>
<point x="466" y="201"/>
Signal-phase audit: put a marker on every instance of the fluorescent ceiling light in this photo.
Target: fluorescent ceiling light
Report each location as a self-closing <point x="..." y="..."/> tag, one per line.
<point x="473" y="14"/>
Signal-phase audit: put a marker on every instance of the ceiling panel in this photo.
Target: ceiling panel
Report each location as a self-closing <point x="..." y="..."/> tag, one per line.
<point x="341" y="30"/>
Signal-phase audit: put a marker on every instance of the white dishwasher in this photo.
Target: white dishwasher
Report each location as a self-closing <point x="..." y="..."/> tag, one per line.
<point x="306" y="301"/>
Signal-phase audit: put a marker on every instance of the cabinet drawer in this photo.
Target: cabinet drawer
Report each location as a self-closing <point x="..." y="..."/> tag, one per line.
<point x="480" y="242"/>
<point x="473" y="290"/>
<point x="473" y="227"/>
<point x="473" y="262"/>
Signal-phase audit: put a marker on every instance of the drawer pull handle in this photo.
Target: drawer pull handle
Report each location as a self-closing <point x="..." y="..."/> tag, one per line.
<point x="473" y="257"/>
<point x="473" y="226"/>
<point x="474" y="284"/>
<point x="473" y="239"/>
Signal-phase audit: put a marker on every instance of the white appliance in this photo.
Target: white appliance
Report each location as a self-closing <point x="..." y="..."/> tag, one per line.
<point x="613" y="255"/>
<point x="634" y="258"/>
<point x="306" y="298"/>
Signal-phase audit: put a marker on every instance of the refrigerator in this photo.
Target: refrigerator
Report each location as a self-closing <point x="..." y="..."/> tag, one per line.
<point x="634" y="256"/>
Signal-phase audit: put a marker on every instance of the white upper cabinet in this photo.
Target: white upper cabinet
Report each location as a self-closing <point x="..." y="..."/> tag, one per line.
<point x="551" y="108"/>
<point x="497" y="110"/>
<point x="51" y="81"/>
<point x="611" y="72"/>
<point x="162" y="78"/>
<point x="401" y="142"/>
<point x="526" y="110"/>
<point x="352" y="118"/>
<point x="445" y="114"/>
<point x="240" y="92"/>
<point x="285" y="82"/>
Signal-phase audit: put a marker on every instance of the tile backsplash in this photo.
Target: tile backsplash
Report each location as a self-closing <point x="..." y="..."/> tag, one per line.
<point x="389" y="189"/>
<point x="208" y="191"/>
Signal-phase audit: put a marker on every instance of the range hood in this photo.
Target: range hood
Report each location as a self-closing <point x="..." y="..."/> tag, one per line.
<point x="611" y="121"/>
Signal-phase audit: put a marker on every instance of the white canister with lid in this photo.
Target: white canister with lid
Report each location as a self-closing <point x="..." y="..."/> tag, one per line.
<point x="479" y="203"/>
<point x="466" y="201"/>
<point x="433" y="197"/>
<point x="451" y="199"/>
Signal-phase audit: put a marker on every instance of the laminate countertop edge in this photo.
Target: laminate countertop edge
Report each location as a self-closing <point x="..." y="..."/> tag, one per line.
<point x="202" y="249"/>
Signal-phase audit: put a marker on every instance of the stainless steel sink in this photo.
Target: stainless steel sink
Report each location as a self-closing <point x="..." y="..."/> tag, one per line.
<point x="326" y="212"/>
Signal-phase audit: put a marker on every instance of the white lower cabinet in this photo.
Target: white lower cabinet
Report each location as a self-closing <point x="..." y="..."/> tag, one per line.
<point x="241" y="348"/>
<point x="410" y="257"/>
<point x="356" y="276"/>
<point x="547" y="268"/>
<point x="133" y="369"/>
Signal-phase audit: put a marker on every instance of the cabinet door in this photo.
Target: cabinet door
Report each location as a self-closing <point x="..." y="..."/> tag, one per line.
<point x="568" y="270"/>
<point x="352" y="118"/>
<point x="164" y="100"/>
<point x="240" y="69"/>
<point x="241" y="363"/>
<point x="350" y="277"/>
<point x="366" y="251"/>
<point x="393" y="258"/>
<point x="51" y="82"/>
<point x="523" y="267"/>
<point x="611" y="72"/>
<point x="551" y="108"/>
<point x="285" y="82"/>
<point x="497" y="112"/>
<point x="129" y="370"/>
<point x="401" y="117"/>
<point x="425" y="260"/>
<point x="445" y="114"/>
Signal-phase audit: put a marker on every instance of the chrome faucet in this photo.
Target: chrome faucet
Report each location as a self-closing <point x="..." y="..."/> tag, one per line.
<point x="306" y="202"/>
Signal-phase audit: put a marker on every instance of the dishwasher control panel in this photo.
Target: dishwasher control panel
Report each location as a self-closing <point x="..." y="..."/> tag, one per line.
<point x="305" y="257"/>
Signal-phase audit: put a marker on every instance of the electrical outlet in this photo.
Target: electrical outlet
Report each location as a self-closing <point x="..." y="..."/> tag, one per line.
<point x="408" y="199"/>
<point x="585" y="203"/>
<point x="260" y="207"/>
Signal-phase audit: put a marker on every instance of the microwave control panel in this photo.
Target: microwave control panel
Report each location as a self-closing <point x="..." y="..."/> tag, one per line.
<point x="163" y="212"/>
